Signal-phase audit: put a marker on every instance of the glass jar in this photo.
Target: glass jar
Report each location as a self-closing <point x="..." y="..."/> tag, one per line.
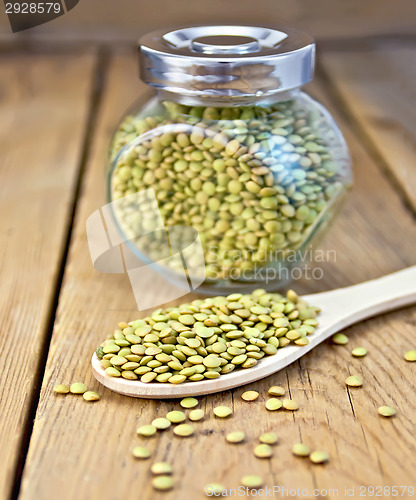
<point x="232" y="147"/>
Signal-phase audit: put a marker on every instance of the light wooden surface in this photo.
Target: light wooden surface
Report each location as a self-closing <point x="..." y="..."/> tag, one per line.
<point x="44" y="102"/>
<point x="80" y="450"/>
<point x="378" y="88"/>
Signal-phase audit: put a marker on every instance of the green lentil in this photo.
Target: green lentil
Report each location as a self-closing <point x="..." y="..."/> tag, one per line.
<point x="252" y="481"/>
<point x="148" y="377"/>
<point x="386" y="411"/>
<point x="214" y="489"/>
<point x="196" y="415"/>
<point x="112" y="372"/>
<point x="161" y="423"/>
<point x="141" y="452"/>
<point x="263" y="451"/>
<point x="176" y="417"/>
<point x="162" y="483"/>
<point x="319" y="457"/>
<point x="268" y="438"/>
<point x="410" y="356"/>
<point x="340" y="339"/>
<point x="161" y="468"/>
<point x="222" y="411"/>
<point x="146" y="430"/>
<point x="359" y="352"/>
<point x="91" y="396"/>
<point x="235" y="437"/>
<point x="276" y="390"/>
<point x="273" y="404"/>
<point x="300" y="450"/>
<point x="290" y="404"/>
<point x="183" y="430"/>
<point x="78" y="388"/>
<point x="250" y="395"/>
<point x="270" y="159"/>
<point x="354" y="381"/>
<point x="189" y="402"/>
<point x="177" y="379"/>
<point x="61" y="389"/>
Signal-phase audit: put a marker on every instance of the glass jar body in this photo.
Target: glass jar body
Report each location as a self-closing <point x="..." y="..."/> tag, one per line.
<point x="259" y="181"/>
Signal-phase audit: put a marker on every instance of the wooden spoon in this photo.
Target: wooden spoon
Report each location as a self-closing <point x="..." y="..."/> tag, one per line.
<point x="340" y="308"/>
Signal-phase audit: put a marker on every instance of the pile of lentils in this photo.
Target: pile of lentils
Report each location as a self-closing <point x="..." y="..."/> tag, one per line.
<point x="251" y="180"/>
<point x="207" y="338"/>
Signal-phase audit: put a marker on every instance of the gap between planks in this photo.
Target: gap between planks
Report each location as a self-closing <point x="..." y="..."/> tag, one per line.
<point x="97" y="86"/>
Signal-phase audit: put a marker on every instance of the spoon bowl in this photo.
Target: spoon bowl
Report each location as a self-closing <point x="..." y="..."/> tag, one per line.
<point x="340" y="308"/>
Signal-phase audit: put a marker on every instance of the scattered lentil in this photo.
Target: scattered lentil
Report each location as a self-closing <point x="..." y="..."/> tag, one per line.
<point x="252" y="481"/>
<point x="161" y="468"/>
<point x="61" y="389"/>
<point x="263" y="451"/>
<point x="147" y="430"/>
<point x="276" y="390"/>
<point x="141" y="452"/>
<point x="235" y="437"/>
<point x="359" y="352"/>
<point x="183" y="430"/>
<point x="340" y="339"/>
<point x="250" y="395"/>
<point x="354" y="381"/>
<point x="78" y="388"/>
<point x="319" y="457"/>
<point x="273" y="404"/>
<point x="189" y="402"/>
<point x="214" y="489"/>
<point x="162" y="483"/>
<point x="176" y="416"/>
<point x="300" y="450"/>
<point x="196" y="415"/>
<point x="222" y="411"/>
<point x="91" y="396"/>
<point x="290" y="404"/>
<point x="410" y="356"/>
<point x="268" y="438"/>
<point x="161" y="423"/>
<point x="386" y="411"/>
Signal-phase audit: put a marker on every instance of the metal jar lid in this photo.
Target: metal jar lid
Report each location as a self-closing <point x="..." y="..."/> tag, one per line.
<point x="224" y="61"/>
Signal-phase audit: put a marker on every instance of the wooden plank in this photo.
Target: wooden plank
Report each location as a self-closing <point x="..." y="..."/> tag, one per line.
<point x="377" y="87"/>
<point x="81" y="450"/>
<point x="101" y="20"/>
<point x="44" y="102"/>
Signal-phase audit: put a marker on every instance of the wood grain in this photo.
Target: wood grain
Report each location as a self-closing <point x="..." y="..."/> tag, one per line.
<point x="44" y="102"/>
<point x="377" y="87"/>
<point x="102" y="20"/>
<point x="82" y="450"/>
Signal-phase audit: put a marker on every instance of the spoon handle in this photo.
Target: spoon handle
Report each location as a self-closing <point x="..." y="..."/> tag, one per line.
<point x="345" y="306"/>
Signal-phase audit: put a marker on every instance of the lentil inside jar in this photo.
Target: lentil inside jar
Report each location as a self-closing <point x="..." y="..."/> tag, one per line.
<point x="256" y="181"/>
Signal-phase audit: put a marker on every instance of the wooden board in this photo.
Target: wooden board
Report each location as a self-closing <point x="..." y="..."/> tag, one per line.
<point x="82" y="450"/>
<point x="44" y="103"/>
<point x="377" y="87"/>
<point x="102" y="20"/>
